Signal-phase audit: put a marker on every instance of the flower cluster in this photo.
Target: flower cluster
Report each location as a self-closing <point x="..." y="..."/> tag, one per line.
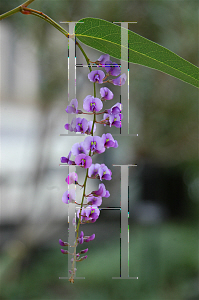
<point x="83" y="152"/>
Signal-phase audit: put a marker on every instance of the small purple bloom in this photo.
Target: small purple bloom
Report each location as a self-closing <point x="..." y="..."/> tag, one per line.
<point x="94" y="213"/>
<point x="94" y="143"/>
<point x="84" y="215"/>
<point x="63" y="243"/>
<point x="103" y="58"/>
<point x="89" y="214"/>
<point x="117" y="120"/>
<point x="114" y="120"/>
<point x="72" y="107"/>
<point x="109" y="141"/>
<point x="112" y="68"/>
<point x="72" y="126"/>
<point x="71" y="178"/>
<point x="69" y="197"/>
<point x="81" y="125"/>
<point x="83" y="160"/>
<point x="81" y="237"/>
<point x="67" y="159"/>
<point x="119" y="80"/>
<point x="115" y="109"/>
<point x="64" y="251"/>
<point x="90" y="238"/>
<point x="82" y="258"/>
<point x="78" y="148"/>
<point x="95" y="201"/>
<point x="83" y="251"/>
<point x="96" y="76"/>
<point x="101" y="191"/>
<point x="106" y="93"/>
<point x="92" y="104"/>
<point x="104" y="172"/>
<point x="93" y="170"/>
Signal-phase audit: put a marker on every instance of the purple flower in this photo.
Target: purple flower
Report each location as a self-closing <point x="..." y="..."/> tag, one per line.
<point x="94" y="213"/>
<point x="101" y="191"/>
<point x="71" y="178"/>
<point x="81" y="237"/>
<point x="96" y="76"/>
<point x="92" y="104"/>
<point x="77" y="125"/>
<point x="67" y="159"/>
<point x="79" y="148"/>
<point x="119" y="80"/>
<point x="114" y="120"/>
<point x="90" y="238"/>
<point x="93" y="170"/>
<point x="83" y="160"/>
<point x="69" y="197"/>
<point x="72" y="126"/>
<point x="109" y="141"/>
<point x="106" y="93"/>
<point x="96" y="201"/>
<point x="112" y="68"/>
<point x="63" y="243"/>
<point x="82" y="258"/>
<point x="81" y="125"/>
<point x="115" y="109"/>
<point x="102" y="60"/>
<point x="84" y="215"/>
<point x="83" y="251"/>
<point x="104" y="172"/>
<point x="72" y="108"/>
<point x="87" y="239"/>
<point x="64" y="251"/>
<point x="89" y="214"/>
<point x="94" y="143"/>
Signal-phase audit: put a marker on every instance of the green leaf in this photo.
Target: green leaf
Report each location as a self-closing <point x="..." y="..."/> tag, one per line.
<point x="106" y="37"/>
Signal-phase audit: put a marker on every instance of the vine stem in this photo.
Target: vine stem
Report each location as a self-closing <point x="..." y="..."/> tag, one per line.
<point x="23" y="9"/>
<point x="16" y="10"/>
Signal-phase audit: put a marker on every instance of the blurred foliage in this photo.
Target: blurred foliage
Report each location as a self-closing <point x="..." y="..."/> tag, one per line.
<point x="164" y="258"/>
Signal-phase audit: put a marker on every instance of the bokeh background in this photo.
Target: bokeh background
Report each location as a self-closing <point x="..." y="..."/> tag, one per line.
<point x="163" y="188"/>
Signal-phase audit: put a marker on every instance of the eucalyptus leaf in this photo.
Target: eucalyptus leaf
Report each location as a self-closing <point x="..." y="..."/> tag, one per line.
<point x="106" y="37"/>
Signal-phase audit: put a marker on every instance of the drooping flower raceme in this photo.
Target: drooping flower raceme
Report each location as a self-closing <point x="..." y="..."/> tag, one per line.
<point x="83" y="151"/>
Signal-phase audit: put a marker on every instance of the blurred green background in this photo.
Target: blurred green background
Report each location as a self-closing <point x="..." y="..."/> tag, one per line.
<point x="163" y="188"/>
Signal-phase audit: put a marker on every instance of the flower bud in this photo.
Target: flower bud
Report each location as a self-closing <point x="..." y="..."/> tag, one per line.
<point x="64" y="251"/>
<point x="82" y="258"/>
<point x="63" y="243"/>
<point x="83" y="251"/>
<point x="90" y="238"/>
